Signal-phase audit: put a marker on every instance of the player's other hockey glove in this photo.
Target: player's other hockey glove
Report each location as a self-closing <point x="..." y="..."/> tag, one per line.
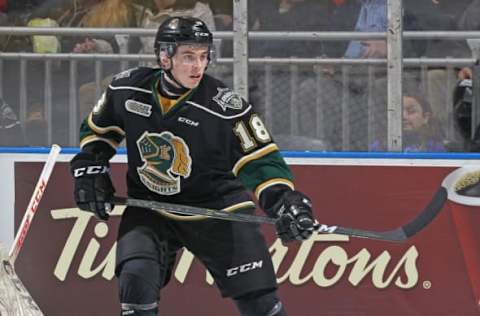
<point x="93" y="189"/>
<point x="295" y="217"/>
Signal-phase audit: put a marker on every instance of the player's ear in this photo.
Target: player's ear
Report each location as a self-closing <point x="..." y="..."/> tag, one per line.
<point x="165" y="61"/>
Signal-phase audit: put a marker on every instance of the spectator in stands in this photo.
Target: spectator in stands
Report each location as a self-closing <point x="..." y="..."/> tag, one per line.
<point x="287" y="15"/>
<point x="223" y="18"/>
<point x="11" y="132"/>
<point x="462" y="113"/>
<point x="16" y="13"/>
<point x="372" y="17"/>
<point x="166" y="8"/>
<point x="351" y="85"/>
<point x="439" y="15"/>
<point x="3" y="6"/>
<point x="36" y="125"/>
<point x="348" y="85"/>
<point x="223" y="13"/>
<point x="463" y="94"/>
<point x="99" y="14"/>
<point x="466" y="140"/>
<point x="3" y="22"/>
<point x="421" y="130"/>
<point x="269" y="15"/>
<point x="82" y="13"/>
<point x="284" y="15"/>
<point x="20" y="10"/>
<point x="469" y="21"/>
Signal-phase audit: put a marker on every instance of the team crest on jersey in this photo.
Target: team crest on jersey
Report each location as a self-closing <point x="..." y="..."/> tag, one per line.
<point x="226" y="98"/>
<point x="166" y="159"/>
<point x="138" y="108"/>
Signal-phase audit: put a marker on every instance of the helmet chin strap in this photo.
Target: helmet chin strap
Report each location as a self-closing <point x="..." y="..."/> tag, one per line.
<point x="171" y="87"/>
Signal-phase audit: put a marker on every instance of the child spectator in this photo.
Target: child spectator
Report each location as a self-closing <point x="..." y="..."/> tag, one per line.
<point x="421" y="130"/>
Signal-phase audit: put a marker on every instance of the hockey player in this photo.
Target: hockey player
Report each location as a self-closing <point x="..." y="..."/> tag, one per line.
<point x="190" y="140"/>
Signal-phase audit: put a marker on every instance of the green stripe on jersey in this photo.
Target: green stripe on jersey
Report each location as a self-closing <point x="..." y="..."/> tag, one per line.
<point x="268" y="167"/>
<point x="86" y="131"/>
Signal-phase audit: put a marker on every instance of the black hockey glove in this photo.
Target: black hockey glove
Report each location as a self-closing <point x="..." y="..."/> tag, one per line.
<point x="93" y="189"/>
<point x="295" y="218"/>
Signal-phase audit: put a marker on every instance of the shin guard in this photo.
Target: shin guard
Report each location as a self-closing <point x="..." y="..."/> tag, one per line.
<point x="139" y="281"/>
<point x="260" y="304"/>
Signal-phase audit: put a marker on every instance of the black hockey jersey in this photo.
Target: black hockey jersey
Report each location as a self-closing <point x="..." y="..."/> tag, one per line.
<point x="204" y="151"/>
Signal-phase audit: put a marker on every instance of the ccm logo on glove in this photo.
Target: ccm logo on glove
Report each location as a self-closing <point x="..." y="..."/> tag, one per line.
<point x="90" y="170"/>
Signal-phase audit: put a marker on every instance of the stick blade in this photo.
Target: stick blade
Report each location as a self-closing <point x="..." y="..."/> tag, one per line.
<point x="428" y="214"/>
<point x="402" y="233"/>
<point x="396" y="235"/>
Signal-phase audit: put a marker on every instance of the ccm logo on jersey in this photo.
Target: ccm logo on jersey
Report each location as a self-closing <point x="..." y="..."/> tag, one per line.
<point x="245" y="268"/>
<point x="138" y="108"/>
<point x="188" y="121"/>
<point x="79" y="172"/>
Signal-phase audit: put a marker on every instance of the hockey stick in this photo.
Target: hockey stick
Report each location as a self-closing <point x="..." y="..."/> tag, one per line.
<point x="458" y="180"/>
<point x="14" y="297"/>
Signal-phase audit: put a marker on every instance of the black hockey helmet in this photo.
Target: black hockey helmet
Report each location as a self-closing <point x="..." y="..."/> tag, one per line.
<point x="179" y="30"/>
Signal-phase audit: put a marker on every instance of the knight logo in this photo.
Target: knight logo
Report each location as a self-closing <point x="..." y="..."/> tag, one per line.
<point x="244" y="268"/>
<point x="139" y="108"/>
<point x="166" y="159"/>
<point x="226" y="98"/>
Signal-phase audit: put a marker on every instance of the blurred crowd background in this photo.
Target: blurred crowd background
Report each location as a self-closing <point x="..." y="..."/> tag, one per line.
<point x="327" y="107"/>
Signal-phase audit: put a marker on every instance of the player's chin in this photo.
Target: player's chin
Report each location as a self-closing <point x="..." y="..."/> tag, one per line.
<point x="192" y="82"/>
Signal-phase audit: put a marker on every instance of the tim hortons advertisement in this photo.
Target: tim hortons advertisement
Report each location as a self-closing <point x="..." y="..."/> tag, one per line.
<point x="68" y="259"/>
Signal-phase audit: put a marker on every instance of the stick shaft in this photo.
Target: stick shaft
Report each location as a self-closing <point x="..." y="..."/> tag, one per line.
<point x="33" y="204"/>
<point x="396" y="235"/>
<point x="190" y="210"/>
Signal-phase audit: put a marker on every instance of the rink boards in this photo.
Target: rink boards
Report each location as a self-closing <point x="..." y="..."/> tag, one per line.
<point x="68" y="259"/>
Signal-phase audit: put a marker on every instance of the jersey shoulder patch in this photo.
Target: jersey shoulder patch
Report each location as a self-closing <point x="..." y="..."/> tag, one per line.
<point x="216" y="98"/>
<point x="227" y="99"/>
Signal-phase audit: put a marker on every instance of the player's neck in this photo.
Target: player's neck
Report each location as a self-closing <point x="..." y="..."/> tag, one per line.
<point x="169" y="87"/>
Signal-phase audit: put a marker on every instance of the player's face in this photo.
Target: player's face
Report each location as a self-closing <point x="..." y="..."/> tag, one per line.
<point x="189" y="63"/>
<point x="413" y="115"/>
